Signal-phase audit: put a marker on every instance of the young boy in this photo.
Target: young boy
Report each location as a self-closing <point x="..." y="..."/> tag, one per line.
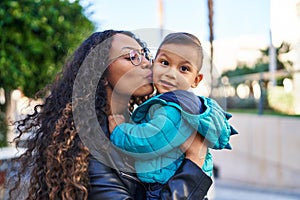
<point x="164" y="122"/>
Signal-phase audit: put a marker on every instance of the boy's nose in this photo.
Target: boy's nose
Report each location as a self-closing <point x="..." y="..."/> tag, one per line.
<point x="171" y="73"/>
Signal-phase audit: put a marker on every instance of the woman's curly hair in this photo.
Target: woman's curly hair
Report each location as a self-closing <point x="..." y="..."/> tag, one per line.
<point x="55" y="157"/>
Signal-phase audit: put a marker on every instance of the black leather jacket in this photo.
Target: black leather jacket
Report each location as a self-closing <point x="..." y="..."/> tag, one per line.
<point x="189" y="182"/>
<point x="115" y="180"/>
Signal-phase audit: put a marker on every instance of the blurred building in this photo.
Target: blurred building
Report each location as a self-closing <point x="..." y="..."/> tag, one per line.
<point x="266" y="150"/>
<point x="285" y="26"/>
<point x="245" y="50"/>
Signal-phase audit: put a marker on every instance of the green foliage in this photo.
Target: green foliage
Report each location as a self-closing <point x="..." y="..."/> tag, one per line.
<point x="282" y="49"/>
<point x="36" y="37"/>
<point x="244" y="69"/>
<point x="270" y="98"/>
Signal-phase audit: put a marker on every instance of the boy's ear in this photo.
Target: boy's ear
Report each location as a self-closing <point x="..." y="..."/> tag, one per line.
<point x="197" y="80"/>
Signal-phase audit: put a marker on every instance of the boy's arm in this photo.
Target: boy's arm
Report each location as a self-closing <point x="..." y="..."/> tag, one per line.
<point x="214" y="125"/>
<point x="159" y="135"/>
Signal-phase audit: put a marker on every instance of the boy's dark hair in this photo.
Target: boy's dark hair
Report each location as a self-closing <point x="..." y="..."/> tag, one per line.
<point x="183" y="38"/>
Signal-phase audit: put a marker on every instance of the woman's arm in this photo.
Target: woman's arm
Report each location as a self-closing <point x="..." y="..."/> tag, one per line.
<point x="189" y="181"/>
<point x="109" y="183"/>
<point x="195" y="149"/>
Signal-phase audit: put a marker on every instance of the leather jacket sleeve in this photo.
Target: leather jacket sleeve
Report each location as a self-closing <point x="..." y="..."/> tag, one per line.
<point x="189" y="182"/>
<point x="108" y="183"/>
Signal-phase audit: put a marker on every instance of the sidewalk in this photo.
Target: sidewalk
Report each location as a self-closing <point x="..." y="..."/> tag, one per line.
<point x="230" y="190"/>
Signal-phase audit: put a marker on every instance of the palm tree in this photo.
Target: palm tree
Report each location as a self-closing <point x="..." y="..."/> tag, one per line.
<point x="211" y="37"/>
<point x="161" y="18"/>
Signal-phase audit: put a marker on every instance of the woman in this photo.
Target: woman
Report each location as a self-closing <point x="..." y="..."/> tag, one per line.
<point x="69" y="155"/>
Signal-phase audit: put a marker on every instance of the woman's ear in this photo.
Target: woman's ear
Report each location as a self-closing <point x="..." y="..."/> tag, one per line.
<point x="197" y="80"/>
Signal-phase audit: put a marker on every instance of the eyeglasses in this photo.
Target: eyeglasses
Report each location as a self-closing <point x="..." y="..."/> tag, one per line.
<point x="136" y="56"/>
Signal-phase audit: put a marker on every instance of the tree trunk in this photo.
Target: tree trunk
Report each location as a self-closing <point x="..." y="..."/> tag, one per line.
<point x="211" y="38"/>
<point x="9" y="114"/>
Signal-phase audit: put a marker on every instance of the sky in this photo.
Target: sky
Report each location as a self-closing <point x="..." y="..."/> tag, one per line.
<point x="239" y="25"/>
<point x="232" y="18"/>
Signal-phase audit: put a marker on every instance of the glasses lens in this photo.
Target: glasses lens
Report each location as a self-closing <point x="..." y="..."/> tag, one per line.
<point x="135" y="57"/>
<point x="147" y="54"/>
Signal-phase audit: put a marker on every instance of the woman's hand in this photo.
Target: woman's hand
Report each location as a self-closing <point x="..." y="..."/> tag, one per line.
<point x="195" y="149"/>
<point x="114" y="120"/>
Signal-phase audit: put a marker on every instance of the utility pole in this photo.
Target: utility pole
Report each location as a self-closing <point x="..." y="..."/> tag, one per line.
<point x="161" y="18"/>
<point x="272" y="61"/>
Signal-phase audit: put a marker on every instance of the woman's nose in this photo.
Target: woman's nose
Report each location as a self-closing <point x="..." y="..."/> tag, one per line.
<point x="146" y="63"/>
<point x="148" y="60"/>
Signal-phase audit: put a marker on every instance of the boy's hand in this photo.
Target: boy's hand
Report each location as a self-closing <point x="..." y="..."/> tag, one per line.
<point x="114" y="120"/>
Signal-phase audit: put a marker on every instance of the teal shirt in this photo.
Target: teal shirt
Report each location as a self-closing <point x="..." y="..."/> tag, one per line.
<point x="159" y="127"/>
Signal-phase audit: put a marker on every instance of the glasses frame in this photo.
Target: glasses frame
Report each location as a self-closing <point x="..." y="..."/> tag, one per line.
<point x="144" y="52"/>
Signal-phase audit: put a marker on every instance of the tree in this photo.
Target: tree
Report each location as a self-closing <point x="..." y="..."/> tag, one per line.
<point x="262" y="63"/>
<point x="281" y="50"/>
<point x="36" y="36"/>
<point x="242" y="74"/>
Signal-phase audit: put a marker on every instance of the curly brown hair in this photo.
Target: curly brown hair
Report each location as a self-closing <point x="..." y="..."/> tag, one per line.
<point x="55" y="157"/>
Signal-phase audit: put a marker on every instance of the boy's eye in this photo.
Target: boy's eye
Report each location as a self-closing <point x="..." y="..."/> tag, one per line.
<point x="184" y="68"/>
<point x="164" y="62"/>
